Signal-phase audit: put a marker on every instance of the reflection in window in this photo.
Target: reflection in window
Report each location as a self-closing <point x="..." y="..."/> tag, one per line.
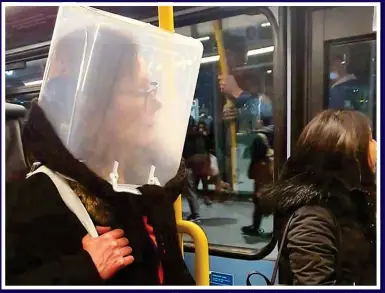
<point x="225" y="212"/>
<point x="28" y="74"/>
<point x="352" y="77"/>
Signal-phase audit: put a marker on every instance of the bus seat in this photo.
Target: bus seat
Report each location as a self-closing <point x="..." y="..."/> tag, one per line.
<point x="15" y="163"/>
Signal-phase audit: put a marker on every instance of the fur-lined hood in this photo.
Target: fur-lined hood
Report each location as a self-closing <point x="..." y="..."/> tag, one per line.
<point x="322" y="179"/>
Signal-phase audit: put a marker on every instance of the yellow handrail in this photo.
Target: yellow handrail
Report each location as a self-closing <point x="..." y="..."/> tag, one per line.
<point x="201" y="263"/>
<point x="225" y="71"/>
<point x="166" y="21"/>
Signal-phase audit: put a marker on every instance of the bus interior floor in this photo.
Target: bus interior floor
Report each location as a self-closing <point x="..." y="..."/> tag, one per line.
<point x="222" y="223"/>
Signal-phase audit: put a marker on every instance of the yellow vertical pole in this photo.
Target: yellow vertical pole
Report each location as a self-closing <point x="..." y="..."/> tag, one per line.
<point x="166" y="18"/>
<point x="166" y="21"/>
<point x="225" y="71"/>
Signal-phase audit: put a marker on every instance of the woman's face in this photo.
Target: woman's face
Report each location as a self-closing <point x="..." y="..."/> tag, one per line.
<point x="135" y="105"/>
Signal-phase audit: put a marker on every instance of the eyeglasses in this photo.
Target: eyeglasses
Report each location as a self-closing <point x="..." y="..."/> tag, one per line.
<point x="150" y="92"/>
<point x="147" y="96"/>
<point x="152" y="89"/>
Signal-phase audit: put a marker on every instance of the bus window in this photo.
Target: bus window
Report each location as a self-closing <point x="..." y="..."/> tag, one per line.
<point x="30" y="75"/>
<point x="352" y="77"/>
<point x="226" y="215"/>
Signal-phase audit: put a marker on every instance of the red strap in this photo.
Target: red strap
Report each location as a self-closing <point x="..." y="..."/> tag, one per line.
<point x="150" y="231"/>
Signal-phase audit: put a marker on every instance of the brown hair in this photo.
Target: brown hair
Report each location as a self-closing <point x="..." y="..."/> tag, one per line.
<point x="342" y="132"/>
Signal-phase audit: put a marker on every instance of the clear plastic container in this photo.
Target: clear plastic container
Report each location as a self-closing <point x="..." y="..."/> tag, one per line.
<point x="118" y="93"/>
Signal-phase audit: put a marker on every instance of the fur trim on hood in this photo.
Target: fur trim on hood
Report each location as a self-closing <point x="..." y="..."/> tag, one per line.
<point x="330" y="180"/>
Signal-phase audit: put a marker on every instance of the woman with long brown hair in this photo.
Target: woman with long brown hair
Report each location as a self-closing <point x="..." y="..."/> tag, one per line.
<point x="326" y="189"/>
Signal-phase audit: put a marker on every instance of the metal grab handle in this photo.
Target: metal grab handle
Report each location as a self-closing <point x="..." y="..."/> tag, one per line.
<point x="201" y="265"/>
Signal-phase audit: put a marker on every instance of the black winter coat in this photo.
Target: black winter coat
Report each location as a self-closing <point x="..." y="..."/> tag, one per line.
<point x="332" y="237"/>
<point x="44" y="238"/>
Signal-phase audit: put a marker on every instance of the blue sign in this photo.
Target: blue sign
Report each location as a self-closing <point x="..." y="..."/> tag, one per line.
<point x="221" y="279"/>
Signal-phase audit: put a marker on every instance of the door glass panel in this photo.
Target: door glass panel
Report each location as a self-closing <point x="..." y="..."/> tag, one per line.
<point x="352" y="85"/>
<point x="249" y="46"/>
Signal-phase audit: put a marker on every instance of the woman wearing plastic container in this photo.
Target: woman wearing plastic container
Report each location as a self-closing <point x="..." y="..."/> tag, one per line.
<point x="103" y="153"/>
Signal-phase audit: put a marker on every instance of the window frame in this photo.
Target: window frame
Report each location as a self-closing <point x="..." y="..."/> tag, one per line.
<point x="327" y="27"/>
